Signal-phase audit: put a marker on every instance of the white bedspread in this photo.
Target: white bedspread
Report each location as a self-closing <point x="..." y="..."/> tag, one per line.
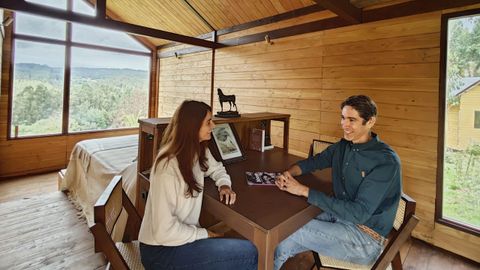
<point x="93" y="164"/>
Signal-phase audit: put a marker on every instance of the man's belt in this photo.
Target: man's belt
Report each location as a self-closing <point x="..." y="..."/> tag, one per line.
<point x="377" y="237"/>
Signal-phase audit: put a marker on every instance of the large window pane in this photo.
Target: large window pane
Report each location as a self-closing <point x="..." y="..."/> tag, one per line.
<point x="461" y="175"/>
<point x="107" y="90"/>
<point x="39" y="26"/>
<point x="80" y="6"/>
<point x="100" y="36"/>
<point x="58" y="4"/>
<point x="37" y="89"/>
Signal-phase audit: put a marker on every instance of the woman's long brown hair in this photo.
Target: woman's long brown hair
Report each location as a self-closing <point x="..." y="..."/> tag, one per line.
<point x="181" y="139"/>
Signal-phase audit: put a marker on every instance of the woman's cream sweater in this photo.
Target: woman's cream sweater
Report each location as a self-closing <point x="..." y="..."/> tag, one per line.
<point x="171" y="218"/>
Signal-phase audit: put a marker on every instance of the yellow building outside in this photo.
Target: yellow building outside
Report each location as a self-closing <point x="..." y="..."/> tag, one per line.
<point x="463" y="119"/>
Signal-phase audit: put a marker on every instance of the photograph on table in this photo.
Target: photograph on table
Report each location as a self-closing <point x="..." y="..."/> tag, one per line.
<point x="227" y="143"/>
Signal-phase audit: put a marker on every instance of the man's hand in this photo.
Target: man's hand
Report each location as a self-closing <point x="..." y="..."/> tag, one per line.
<point x="287" y="183"/>
<point x="227" y="193"/>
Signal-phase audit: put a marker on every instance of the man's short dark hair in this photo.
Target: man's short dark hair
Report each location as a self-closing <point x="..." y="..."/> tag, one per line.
<point x="364" y="105"/>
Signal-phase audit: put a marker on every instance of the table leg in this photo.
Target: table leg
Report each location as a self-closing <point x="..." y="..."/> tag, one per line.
<point x="266" y="249"/>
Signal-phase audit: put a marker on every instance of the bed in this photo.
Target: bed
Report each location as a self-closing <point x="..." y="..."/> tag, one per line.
<point x="93" y="163"/>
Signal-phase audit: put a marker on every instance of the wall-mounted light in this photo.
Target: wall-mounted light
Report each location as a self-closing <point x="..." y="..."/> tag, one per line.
<point x="7" y="21"/>
<point x="268" y="40"/>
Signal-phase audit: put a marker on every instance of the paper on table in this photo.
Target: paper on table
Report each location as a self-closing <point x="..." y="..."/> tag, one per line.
<point x="261" y="178"/>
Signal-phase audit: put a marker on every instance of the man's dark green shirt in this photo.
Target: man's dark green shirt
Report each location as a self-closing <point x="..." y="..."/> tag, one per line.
<point x="366" y="182"/>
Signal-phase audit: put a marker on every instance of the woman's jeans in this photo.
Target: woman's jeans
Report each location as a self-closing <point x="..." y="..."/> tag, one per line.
<point x="210" y="253"/>
<point x="330" y="236"/>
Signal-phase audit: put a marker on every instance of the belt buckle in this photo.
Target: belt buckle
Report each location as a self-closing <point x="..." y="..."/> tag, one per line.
<point x="384" y="241"/>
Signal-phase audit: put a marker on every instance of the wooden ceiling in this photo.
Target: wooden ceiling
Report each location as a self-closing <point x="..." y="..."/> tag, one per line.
<point x="198" y="17"/>
<point x="185" y="17"/>
<point x="159" y="22"/>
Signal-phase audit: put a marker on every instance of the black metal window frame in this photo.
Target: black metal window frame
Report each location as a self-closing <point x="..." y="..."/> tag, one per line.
<point x="439" y="218"/>
<point x="69" y="44"/>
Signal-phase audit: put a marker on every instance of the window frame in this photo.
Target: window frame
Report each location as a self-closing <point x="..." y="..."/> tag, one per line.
<point x="441" y="124"/>
<point x="68" y="43"/>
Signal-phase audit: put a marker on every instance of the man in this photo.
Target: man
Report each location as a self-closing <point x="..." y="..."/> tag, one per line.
<point x="366" y="177"/>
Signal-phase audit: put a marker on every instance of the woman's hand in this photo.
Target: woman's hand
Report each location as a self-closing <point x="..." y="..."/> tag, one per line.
<point x="227" y="193"/>
<point x="289" y="184"/>
<point x="212" y="234"/>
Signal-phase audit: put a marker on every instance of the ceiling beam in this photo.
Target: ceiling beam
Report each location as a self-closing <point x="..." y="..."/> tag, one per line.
<point x="21" y="5"/>
<point x="206" y="36"/>
<point x="344" y="9"/>
<point x="272" y="19"/>
<point x="264" y="21"/>
<point x="309" y="27"/>
<point x="413" y="8"/>
<point x="101" y="8"/>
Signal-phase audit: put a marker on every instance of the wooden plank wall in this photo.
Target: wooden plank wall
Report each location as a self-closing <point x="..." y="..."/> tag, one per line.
<point x="185" y="77"/>
<point x="285" y="77"/>
<point x="396" y="62"/>
<point x="26" y="156"/>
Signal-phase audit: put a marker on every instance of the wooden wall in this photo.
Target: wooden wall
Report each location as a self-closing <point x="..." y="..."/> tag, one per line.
<point x="26" y="156"/>
<point x="396" y="62"/>
<point x="185" y="77"/>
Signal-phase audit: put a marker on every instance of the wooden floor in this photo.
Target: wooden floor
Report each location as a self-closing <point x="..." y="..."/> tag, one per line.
<point x="41" y="229"/>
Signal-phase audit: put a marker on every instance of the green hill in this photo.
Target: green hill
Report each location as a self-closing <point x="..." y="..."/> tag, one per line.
<point x="28" y="71"/>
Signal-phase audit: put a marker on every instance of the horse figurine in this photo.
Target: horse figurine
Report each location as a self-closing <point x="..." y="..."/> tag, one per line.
<point x="226" y="98"/>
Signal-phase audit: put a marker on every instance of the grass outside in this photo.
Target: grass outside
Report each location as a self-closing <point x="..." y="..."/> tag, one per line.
<point x="461" y="186"/>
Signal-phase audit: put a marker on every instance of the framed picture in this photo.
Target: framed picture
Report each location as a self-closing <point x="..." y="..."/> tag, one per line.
<point x="227" y="143"/>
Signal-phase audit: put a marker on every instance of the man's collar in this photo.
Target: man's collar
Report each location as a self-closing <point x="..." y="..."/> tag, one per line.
<point x="362" y="146"/>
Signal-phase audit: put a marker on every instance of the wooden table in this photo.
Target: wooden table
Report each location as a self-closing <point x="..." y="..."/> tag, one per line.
<point x="263" y="214"/>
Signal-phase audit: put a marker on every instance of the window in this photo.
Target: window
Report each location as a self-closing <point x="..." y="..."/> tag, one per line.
<point x="109" y="92"/>
<point x="105" y="84"/>
<point x="38" y="80"/>
<point x="459" y="135"/>
<point x="58" y="4"/>
<point x="476" y="123"/>
<point x="39" y="26"/>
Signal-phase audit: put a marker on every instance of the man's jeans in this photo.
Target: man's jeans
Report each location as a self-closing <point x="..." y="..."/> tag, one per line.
<point x="330" y="236"/>
<point x="210" y="253"/>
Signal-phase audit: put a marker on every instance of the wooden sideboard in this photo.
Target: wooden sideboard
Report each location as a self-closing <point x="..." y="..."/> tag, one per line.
<point x="151" y="131"/>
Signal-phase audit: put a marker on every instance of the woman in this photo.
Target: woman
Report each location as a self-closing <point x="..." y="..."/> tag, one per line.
<point x="170" y="236"/>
